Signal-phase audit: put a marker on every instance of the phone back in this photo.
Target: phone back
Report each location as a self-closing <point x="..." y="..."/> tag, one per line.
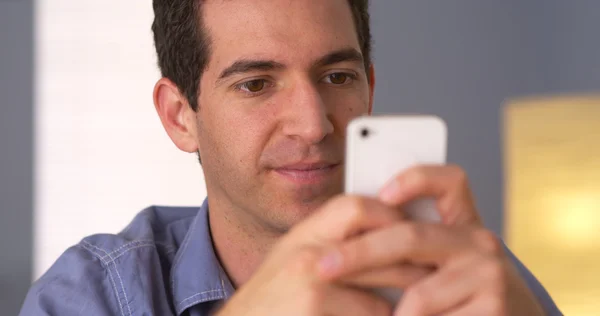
<point x="380" y="147"/>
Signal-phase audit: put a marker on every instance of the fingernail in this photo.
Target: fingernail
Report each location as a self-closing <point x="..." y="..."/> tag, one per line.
<point x="330" y="263"/>
<point x="389" y="191"/>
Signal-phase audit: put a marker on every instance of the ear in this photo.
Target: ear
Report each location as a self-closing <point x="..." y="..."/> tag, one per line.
<point x="176" y="115"/>
<point x="371" y="87"/>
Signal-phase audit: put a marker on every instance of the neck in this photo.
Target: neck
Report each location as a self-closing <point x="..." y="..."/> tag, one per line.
<point x="240" y="242"/>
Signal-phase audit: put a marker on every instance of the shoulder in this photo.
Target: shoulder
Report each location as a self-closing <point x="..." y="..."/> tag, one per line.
<point x="158" y="227"/>
<point x="104" y="273"/>
<point x="534" y="285"/>
<point x="73" y="285"/>
<point x="154" y="234"/>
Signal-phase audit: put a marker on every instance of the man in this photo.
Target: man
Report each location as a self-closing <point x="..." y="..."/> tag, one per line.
<point x="262" y="91"/>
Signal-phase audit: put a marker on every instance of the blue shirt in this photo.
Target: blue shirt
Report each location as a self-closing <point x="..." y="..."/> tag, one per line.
<point x="163" y="263"/>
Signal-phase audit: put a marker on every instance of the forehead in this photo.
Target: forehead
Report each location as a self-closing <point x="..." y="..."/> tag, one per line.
<point x="290" y="31"/>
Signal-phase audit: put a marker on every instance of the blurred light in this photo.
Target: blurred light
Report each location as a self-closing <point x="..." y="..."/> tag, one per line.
<point x="574" y="219"/>
<point x="552" y="165"/>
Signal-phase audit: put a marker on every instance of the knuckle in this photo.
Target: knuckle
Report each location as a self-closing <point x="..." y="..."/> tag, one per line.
<point x="495" y="304"/>
<point x="315" y="297"/>
<point x="488" y="242"/>
<point x="412" y="234"/>
<point x="416" y="300"/>
<point x="380" y="307"/>
<point x="350" y="202"/>
<point x="458" y="174"/>
<point x="403" y="275"/>
<point x="493" y="270"/>
<point x="304" y="261"/>
<point x="415" y="177"/>
<point x="397" y="275"/>
<point x="346" y="209"/>
<point x="451" y="275"/>
<point x="355" y="208"/>
<point x="340" y="200"/>
<point x="335" y="204"/>
<point x="351" y="256"/>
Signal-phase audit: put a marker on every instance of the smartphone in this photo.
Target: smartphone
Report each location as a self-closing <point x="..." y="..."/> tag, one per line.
<point x="380" y="147"/>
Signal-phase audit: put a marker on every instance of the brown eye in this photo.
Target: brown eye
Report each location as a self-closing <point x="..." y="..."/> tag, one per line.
<point x="338" y="78"/>
<point x="254" y="85"/>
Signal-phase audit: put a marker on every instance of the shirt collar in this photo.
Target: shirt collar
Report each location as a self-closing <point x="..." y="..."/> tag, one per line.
<point x="197" y="275"/>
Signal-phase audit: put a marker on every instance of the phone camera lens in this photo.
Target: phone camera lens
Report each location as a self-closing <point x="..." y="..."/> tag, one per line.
<point x="365" y="132"/>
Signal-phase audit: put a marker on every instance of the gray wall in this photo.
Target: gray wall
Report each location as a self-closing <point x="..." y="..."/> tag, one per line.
<point x="462" y="59"/>
<point x="16" y="152"/>
<point x="571" y="45"/>
<point x="458" y="59"/>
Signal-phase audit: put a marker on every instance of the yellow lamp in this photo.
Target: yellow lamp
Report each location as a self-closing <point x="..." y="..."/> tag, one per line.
<point x="552" y="173"/>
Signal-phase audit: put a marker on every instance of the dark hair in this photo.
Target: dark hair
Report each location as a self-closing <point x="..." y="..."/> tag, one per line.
<point x="183" y="45"/>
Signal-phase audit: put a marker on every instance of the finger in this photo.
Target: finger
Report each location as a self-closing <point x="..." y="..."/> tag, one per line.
<point x="444" y="290"/>
<point x="346" y="216"/>
<point x="427" y="244"/>
<point x="448" y="185"/>
<point x="397" y="276"/>
<point x="342" y="301"/>
<point x="479" y="305"/>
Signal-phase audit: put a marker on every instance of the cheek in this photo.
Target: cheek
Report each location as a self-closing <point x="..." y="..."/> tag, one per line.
<point x="251" y="133"/>
<point x="236" y="133"/>
<point x="344" y="106"/>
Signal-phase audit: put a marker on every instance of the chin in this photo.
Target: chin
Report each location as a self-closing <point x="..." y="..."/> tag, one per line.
<point x="284" y="204"/>
<point x="292" y="211"/>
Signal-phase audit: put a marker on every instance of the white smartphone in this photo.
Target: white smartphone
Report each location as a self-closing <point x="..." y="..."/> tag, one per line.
<point x="380" y="147"/>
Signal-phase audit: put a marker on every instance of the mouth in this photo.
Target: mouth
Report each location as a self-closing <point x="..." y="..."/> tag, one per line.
<point x="308" y="173"/>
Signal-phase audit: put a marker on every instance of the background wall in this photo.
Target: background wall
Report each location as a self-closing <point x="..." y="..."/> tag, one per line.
<point x="16" y="152"/>
<point x="101" y="152"/>
<point x="458" y="59"/>
<point x="569" y="44"/>
<point x="462" y="59"/>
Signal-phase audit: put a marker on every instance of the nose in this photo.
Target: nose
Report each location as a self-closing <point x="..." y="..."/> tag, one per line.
<point x="308" y="117"/>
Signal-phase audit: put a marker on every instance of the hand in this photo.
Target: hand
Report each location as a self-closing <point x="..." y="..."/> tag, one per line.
<point x="288" y="283"/>
<point x="472" y="274"/>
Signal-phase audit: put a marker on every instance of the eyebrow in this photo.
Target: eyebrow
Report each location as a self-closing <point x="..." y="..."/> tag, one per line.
<point x="248" y="65"/>
<point x="245" y="65"/>
<point x="342" y="55"/>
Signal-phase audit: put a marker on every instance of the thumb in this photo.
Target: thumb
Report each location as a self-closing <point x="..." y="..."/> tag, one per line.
<point x="346" y="216"/>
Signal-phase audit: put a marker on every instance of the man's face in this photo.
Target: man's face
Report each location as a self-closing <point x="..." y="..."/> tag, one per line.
<point x="283" y="80"/>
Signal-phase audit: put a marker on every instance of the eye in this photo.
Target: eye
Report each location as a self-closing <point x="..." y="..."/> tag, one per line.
<point x="253" y="86"/>
<point x="339" y="78"/>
